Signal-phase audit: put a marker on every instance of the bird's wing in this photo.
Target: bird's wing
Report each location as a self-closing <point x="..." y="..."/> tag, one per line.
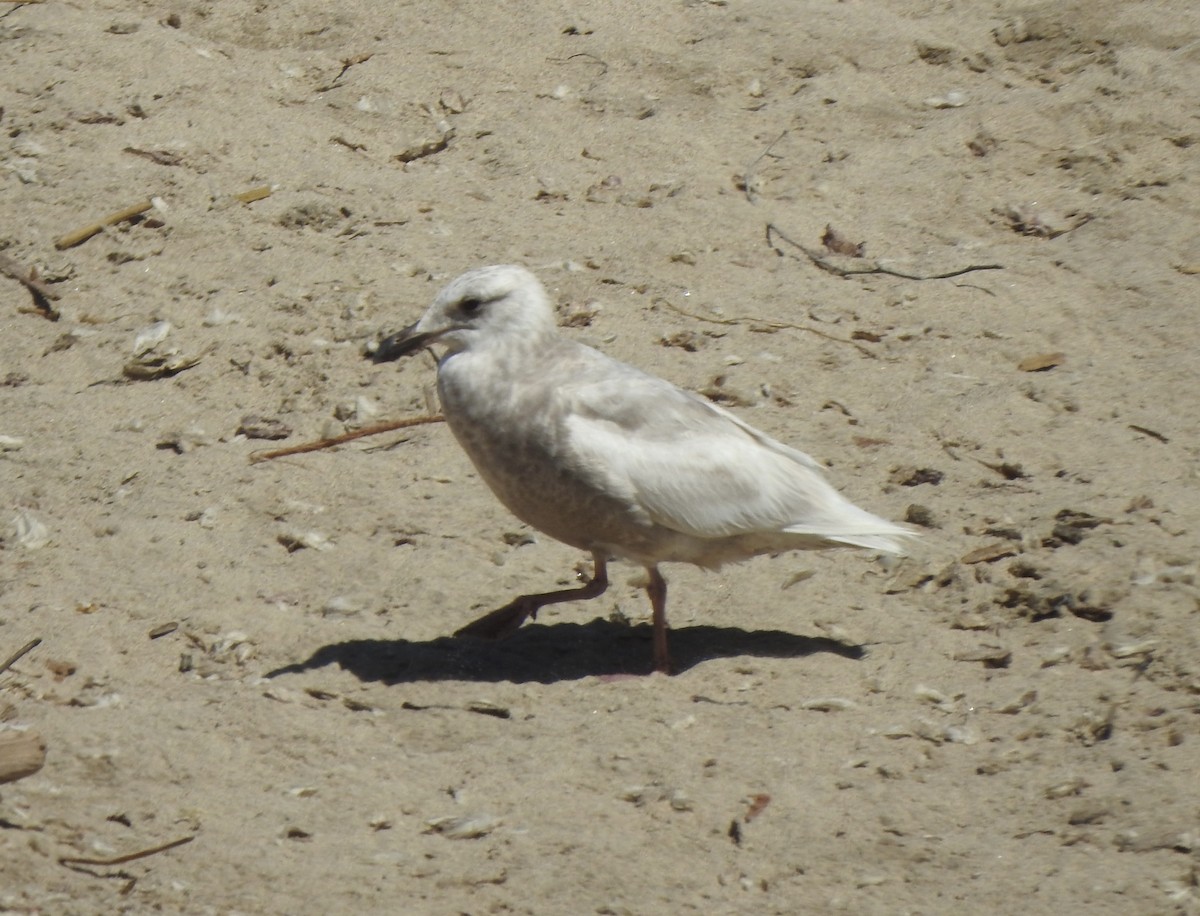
<point x="697" y="469"/>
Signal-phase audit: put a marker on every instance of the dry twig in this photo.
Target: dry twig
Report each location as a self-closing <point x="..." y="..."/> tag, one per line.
<point x="764" y="324"/>
<point x="347" y="63"/>
<point x="72" y="861"/>
<point x="71" y="239"/>
<point x="372" y="430"/>
<point x="19" y="654"/>
<point x="773" y="231"/>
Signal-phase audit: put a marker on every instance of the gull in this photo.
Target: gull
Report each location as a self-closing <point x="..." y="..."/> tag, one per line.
<point x="610" y="459"/>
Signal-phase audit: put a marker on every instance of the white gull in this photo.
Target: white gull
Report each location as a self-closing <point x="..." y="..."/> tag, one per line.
<point x="612" y="460"/>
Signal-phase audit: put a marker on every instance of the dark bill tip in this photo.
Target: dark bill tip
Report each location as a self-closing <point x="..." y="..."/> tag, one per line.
<point x="399" y="344"/>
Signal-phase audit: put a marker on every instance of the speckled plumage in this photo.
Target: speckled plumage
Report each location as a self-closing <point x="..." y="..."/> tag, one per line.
<point x="607" y="458"/>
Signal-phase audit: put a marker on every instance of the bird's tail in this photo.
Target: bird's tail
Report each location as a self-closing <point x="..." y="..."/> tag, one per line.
<point x="878" y="542"/>
<point x="855" y="527"/>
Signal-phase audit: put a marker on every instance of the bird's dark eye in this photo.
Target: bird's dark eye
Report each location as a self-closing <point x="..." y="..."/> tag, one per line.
<point x="471" y="306"/>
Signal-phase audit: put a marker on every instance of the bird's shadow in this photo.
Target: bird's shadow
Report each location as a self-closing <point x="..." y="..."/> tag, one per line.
<point x="559" y="652"/>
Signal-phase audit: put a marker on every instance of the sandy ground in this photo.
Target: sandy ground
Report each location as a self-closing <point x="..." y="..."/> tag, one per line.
<point x="258" y="656"/>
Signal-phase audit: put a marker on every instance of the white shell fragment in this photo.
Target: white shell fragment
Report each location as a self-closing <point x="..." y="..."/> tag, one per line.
<point x="218" y="317"/>
<point x="934" y="696"/>
<point x="1130" y="649"/>
<point x="680" y="801"/>
<point x="463" y="827"/>
<point x="150" y="337"/>
<point x="953" y="99"/>
<point x="342" y="606"/>
<point x="28" y="531"/>
<point x="297" y="539"/>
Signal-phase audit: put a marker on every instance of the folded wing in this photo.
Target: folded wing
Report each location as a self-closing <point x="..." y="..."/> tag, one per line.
<point x="698" y="469"/>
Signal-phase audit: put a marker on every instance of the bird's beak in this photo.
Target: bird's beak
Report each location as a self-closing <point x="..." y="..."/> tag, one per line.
<point x="401" y="344"/>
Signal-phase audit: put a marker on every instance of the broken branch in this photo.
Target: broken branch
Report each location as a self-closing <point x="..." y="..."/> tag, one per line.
<point x="71" y="239"/>
<point x="373" y="430"/>
<point x="768" y="325"/>
<point x="823" y="264"/>
<point x="71" y="861"/>
<point x="19" y="654"/>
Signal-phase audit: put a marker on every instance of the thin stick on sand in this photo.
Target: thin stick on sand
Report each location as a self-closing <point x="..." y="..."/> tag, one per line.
<point x="20" y="653"/>
<point x="70" y="861"/>
<point x="71" y="239"/>
<point x="374" y="430"/>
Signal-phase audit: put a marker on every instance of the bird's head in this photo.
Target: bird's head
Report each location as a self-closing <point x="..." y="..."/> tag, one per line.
<point x="481" y="306"/>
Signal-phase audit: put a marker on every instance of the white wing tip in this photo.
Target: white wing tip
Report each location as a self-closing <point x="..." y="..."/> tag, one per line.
<point x="878" y="542"/>
<point x="887" y="538"/>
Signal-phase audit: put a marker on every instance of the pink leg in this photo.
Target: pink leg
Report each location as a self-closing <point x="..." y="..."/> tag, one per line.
<point x="657" y="590"/>
<point x="505" y="621"/>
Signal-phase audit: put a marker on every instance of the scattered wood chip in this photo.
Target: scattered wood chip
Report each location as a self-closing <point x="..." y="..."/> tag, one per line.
<point x="425" y="148"/>
<point x="1070" y="527"/>
<point x="256" y="427"/>
<point x="165" y="629"/>
<point x="757" y="805"/>
<point x="1149" y="432"/>
<point x="1175" y="838"/>
<point x="839" y="244"/>
<point x="1030" y="219"/>
<point x="1014" y="706"/>
<point x="464" y="827"/>
<point x="1092" y="812"/>
<point x="917" y="514"/>
<point x="97" y="117"/>
<point x="684" y="340"/>
<point x="150" y="366"/>
<point x="1066" y="788"/>
<point x="21" y="754"/>
<point x="869" y="336"/>
<point x="250" y="196"/>
<point x="869" y="441"/>
<point x="487" y="708"/>
<point x="157" y="156"/>
<point x="990" y="553"/>
<point x="452" y="101"/>
<point x="1041" y="362"/>
<point x="991" y="656"/>
<point x="28" y="277"/>
<point x="1006" y="469"/>
<point x="60" y="668"/>
<point x="907" y="476"/>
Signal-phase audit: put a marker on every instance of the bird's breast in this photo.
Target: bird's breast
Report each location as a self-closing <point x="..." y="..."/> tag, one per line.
<point x="513" y="434"/>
